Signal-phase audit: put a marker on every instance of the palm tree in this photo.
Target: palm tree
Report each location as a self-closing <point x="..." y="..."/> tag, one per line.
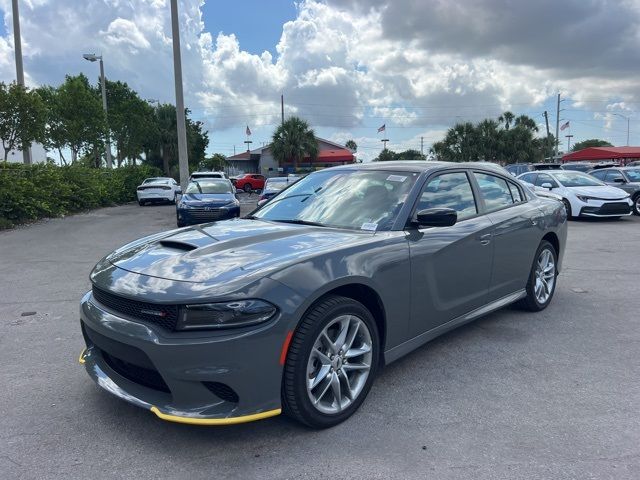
<point x="293" y="140"/>
<point x="507" y="117"/>
<point x="351" y="145"/>
<point x="526" y="122"/>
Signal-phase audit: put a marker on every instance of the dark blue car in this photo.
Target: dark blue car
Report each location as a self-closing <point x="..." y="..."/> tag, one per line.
<point x="207" y="200"/>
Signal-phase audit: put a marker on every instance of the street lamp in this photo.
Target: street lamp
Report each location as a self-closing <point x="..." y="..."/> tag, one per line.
<point x="626" y="118"/>
<point x="92" y="57"/>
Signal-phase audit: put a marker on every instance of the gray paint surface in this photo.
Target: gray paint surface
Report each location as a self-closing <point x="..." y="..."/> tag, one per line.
<point x="512" y="395"/>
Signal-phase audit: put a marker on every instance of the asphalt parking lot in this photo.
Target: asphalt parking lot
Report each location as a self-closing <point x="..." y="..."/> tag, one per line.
<point x="514" y="395"/>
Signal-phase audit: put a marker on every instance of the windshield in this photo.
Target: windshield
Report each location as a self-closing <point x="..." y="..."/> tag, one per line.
<point x="354" y="199"/>
<point x="633" y="175"/>
<point x="277" y="183"/>
<point x="209" y="186"/>
<point x="576" y="179"/>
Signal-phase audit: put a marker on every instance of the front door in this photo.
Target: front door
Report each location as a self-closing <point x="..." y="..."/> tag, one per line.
<point x="450" y="266"/>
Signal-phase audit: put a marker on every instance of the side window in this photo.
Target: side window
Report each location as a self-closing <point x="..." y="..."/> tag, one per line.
<point x="495" y="191"/>
<point x="612" y="175"/>
<point x="600" y="174"/>
<point x="515" y="193"/>
<point x="544" y="178"/>
<point x="449" y="190"/>
<point x="529" y="178"/>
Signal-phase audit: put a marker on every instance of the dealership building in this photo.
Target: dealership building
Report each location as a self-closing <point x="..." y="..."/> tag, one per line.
<point x="260" y="160"/>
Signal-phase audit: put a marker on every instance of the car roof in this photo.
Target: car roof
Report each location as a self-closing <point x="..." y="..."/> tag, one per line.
<point x="422" y="166"/>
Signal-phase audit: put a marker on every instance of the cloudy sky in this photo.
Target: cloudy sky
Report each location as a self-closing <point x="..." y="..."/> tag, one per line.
<point x="349" y="66"/>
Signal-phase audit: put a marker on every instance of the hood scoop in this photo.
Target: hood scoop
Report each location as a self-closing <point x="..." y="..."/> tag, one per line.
<point x="178" y="245"/>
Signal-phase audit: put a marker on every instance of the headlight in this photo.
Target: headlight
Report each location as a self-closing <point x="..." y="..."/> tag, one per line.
<point x="239" y="313"/>
<point x="584" y="198"/>
<point x="233" y="203"/>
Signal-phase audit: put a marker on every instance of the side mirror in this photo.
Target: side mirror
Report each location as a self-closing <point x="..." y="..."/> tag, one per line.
<point x="619" y="180"/>
<point x="437" y="217"/>
<point x="547" y="185"/>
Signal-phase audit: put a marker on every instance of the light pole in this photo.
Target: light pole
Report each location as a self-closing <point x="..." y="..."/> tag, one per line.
<point x="92" y="57"/>
<point x="627" y="119"/>
<point x="17" y="42"/>
<point x="183" y="160"/>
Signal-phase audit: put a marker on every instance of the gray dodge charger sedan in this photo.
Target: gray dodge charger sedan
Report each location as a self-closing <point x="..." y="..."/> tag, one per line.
<point x="296" y="307"/>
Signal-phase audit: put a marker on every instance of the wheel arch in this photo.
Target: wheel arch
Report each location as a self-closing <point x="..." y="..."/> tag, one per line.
<point x="553" y="239"/>
<point x="364" y="294"/>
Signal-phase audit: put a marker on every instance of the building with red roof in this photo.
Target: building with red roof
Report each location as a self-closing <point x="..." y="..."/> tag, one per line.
<point x="622" y="155"/>
<point x="260" y="160"/>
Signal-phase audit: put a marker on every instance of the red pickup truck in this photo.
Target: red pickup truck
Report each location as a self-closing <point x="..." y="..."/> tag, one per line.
<point x="249" y="182"/>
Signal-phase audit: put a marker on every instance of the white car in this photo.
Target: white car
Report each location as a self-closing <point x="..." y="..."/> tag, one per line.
<point x="582" y="194"/>
<point x="158" y="189"/>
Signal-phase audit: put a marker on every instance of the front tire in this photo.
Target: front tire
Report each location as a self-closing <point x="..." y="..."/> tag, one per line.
<point x="636" y="204"/>
<point x="331" y="363"/>
<point x="141" y="203"/>
<point x="567" y="207"/>
<point x="542" y="279"/>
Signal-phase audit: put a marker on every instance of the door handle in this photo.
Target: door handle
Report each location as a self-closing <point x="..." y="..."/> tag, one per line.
<point x="485" y="239"/>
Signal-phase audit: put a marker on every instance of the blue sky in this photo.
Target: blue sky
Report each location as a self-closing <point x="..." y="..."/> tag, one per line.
<point x="256" y="23"/>
<point x="349" y="66"/>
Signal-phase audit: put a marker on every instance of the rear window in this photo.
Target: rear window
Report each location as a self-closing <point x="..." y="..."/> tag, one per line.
<point x="495" y="191"/>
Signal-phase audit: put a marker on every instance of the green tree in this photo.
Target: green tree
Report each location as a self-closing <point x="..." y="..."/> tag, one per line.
<point x="351" y="145"/>
<point x="131" y="121"/>
<point x="82" y="120"/>
<point x="22" y="117"/>
<point x="55" y="135"/>
<point x="592" y="142"/>
<point x="215" y="162"/>
<point x="197" y="142"/>
<point x="293" y="140"/>
<point x="506" y="118"/>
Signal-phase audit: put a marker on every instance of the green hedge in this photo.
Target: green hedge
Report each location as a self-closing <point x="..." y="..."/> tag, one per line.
<point x="28" y="193"/>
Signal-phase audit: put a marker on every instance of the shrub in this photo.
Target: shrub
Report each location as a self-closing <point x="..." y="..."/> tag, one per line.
<point x="30" y="192"/>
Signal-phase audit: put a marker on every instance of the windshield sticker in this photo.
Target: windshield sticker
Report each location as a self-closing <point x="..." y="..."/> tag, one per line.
<point x="372" y="227"/>
<point x="396" y="178"/>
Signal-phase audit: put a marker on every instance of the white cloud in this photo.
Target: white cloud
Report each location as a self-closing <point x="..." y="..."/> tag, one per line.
<point x="124" y="32"/>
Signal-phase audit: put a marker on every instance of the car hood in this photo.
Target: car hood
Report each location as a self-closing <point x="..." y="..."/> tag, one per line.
<point x="209" y="199"/>
<point x="229" y="251"/>
<point x="600" y="191"/>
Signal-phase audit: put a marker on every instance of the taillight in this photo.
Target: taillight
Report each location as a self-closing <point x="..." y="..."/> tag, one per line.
<point x="140" y="188"/>
<point x="165" y="188"/>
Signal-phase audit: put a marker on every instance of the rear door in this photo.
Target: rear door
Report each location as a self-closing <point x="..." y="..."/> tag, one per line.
<point x="515" y="234"/>
<point x="450" y="266"/>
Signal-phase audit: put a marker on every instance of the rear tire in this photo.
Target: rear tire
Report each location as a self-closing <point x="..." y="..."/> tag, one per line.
<point x="327" y="365"/>
<point x="141" y="203"/>
<point x="636" y="204"/>
<point x="247" y="188"/>
<point x="542" y="279"/>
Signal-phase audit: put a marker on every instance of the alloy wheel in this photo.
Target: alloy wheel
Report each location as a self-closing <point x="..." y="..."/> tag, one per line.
<point x="545" y="276"/>
<point x="339" y="364"/>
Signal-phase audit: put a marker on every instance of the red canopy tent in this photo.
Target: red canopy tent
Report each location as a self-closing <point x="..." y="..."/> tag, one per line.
<point x="598" y="154"/>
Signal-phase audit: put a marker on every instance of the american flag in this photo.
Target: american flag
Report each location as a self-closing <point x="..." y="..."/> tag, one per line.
<point x="248" y="132"/>
<point x="566" y="125"/>
<point x="382" y="128"/>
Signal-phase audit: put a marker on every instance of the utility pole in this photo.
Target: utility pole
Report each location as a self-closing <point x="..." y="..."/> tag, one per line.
<point x="282" y="107"/>
<point x="557" y="126"/>
<point x="183" y="159"/>
<point x="546" y="120"/>
<point x="421" y="145"/>
<point x="17" y="42"/>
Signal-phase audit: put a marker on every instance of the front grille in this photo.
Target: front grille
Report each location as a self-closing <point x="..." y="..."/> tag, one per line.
<point x="142" y="376"/>
<point x="222" y="391"/>
<point x="165" y="316"/>
<point x="615" y="208"/>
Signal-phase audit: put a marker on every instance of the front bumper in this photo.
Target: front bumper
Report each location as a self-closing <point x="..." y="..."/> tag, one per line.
<point x="607" y="209"/>
<point x="200" y="378"/>
<point x="191" y="216"/>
